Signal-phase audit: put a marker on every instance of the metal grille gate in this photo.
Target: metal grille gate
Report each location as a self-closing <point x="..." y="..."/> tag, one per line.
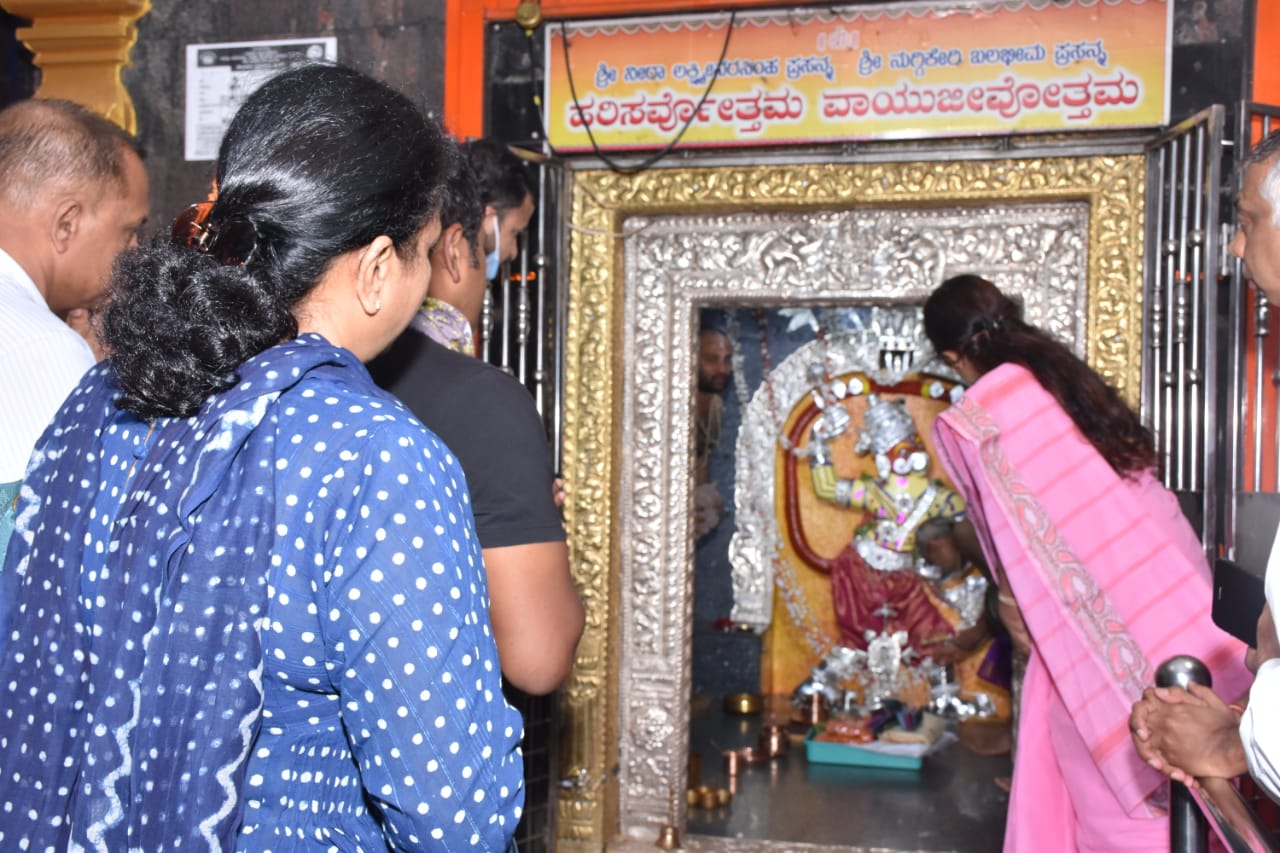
<point x="523" y="312"/>
<point x="521" y="333"/>
<point x="1211" y="345"/>
<point x="1181" y="381"/>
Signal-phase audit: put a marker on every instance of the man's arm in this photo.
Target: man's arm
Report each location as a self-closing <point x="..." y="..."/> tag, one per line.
<point x="1193" y="733"/>
<point x="536" y="613"/>
<point x="1259" y="733"/>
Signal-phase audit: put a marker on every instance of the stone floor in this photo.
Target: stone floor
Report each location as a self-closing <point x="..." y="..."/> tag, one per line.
<point x="951" y="804"/>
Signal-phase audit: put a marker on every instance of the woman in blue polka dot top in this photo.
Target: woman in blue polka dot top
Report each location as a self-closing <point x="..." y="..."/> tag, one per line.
<point x="244" y="607"/>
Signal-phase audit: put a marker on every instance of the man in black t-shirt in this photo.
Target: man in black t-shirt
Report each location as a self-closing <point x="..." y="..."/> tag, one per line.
<point x="488" y="420"/>
<point x="490" y="423"/>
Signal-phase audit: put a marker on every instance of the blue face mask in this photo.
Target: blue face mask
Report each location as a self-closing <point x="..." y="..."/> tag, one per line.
<point x="493" y="260"/>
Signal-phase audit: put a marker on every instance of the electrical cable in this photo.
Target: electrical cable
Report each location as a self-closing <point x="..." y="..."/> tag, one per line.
<point x="612" y="164"/>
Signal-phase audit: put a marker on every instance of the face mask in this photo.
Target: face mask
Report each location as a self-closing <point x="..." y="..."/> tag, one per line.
<point x="493" y="260"/>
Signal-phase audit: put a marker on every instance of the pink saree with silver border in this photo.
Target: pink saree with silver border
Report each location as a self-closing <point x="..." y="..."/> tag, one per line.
<point x="1111" y="581"/>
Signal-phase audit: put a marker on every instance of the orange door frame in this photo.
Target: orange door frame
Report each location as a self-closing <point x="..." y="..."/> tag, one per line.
<point x="465" y="21"/>
<point x="1266" y="72"/>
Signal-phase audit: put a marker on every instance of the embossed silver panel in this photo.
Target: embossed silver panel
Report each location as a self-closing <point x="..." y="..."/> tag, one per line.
<point x="676" y="265"/>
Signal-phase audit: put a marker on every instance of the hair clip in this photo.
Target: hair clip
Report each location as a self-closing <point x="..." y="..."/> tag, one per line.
<point x="986" y="326"/>
<point x="231" y="244"/>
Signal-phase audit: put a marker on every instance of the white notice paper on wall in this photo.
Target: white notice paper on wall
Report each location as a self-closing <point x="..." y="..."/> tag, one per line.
<point x="220" y="76"/>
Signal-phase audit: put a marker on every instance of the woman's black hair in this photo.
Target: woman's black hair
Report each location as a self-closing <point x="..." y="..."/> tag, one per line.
<point x="969" y="316"/>
<point x="317" y="162"/>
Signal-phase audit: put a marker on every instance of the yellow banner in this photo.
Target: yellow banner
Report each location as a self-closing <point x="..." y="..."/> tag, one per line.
<point x="883" y="72"/>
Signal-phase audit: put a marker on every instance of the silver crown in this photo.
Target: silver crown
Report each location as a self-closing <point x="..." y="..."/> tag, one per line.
<point x="885" y="424"/>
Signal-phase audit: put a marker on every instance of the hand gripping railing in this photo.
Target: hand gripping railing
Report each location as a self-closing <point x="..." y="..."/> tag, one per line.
<point x="1215" y="802"/>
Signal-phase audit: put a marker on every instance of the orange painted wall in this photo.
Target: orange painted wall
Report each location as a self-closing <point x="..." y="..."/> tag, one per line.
<point x="1266" y="71"/>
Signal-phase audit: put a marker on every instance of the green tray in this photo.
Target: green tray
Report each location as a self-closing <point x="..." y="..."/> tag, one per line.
<point x="884" y="756"/>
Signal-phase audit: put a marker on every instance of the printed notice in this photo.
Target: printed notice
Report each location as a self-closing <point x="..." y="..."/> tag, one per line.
<point x="221" y="76"/>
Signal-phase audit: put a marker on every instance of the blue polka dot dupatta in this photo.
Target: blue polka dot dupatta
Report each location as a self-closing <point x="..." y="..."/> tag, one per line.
<point x="136" y="593"/>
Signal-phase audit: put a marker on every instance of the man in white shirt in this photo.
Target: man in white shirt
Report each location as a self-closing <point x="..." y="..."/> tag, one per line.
<point x="73" y="193"/>
<point x="1196" y="734"/>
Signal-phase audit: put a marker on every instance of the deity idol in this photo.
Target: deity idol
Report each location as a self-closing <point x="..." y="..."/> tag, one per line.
<point x="874" y="582"/>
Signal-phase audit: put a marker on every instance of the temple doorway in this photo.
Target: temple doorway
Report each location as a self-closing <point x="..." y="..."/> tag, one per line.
<point x="854" y="247"/>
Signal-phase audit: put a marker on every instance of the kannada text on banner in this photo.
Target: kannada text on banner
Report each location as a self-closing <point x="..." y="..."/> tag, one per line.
<point x="886" y="72"/>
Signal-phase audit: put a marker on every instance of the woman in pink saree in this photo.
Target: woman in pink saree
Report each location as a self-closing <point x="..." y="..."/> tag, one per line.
<point x="1107" y="575"/>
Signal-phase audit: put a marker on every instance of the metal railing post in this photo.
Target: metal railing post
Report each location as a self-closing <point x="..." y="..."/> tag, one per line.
<point x="1188" y="829"/>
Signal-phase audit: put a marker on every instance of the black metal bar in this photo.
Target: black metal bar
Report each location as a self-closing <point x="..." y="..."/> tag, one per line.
<point x="1217" y="802"/>
<point x="1237" y="826"/>
<point x="1188" y="828"/>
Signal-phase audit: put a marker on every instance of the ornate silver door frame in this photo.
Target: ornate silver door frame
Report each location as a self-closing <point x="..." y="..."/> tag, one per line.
<point x="628" y="406"/>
